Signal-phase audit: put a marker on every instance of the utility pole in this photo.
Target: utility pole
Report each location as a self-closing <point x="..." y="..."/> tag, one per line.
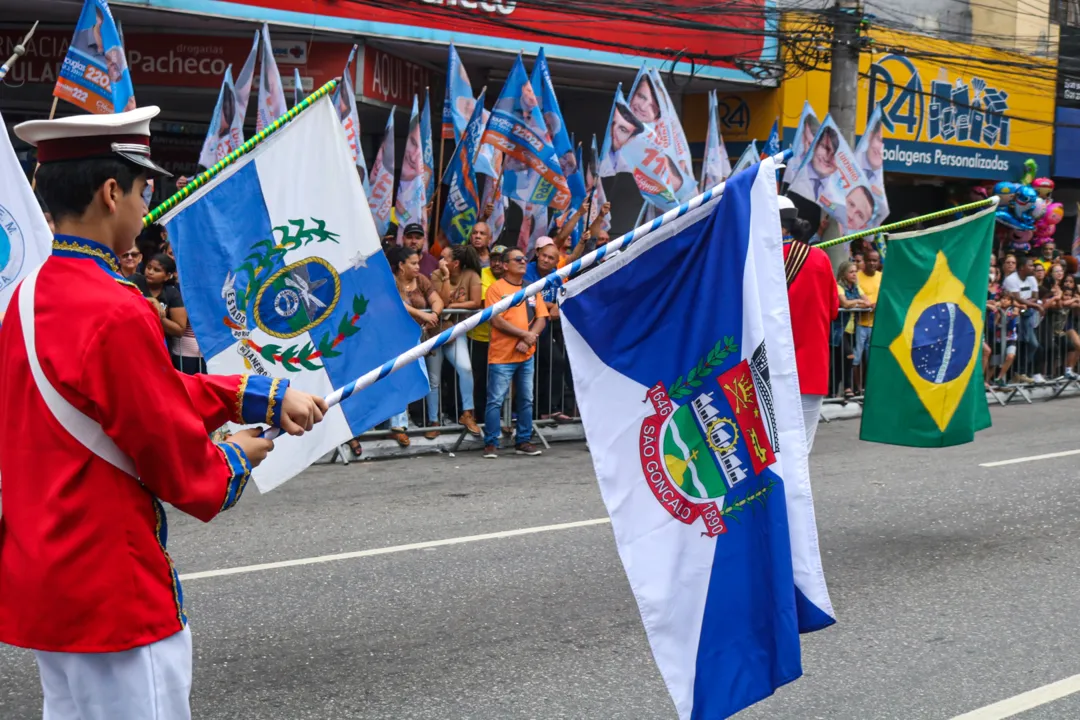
<point x="844" y="89"/>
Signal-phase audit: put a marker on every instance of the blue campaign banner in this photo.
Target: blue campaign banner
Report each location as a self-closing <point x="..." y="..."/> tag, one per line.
<point x="556" y="127"/>
<point x="870" y="155"/>
<point x="516" y="127"/>
<point x="463" y="200"/>
<point x="428" y="147"/>
<point x="94" y="75"/>
<point x="458" y="103"/>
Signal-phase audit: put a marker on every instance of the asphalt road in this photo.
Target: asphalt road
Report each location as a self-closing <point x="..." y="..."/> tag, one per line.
<point x="956" y="586"/>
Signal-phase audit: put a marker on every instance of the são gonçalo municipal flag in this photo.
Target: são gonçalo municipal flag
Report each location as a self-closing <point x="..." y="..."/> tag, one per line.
<point x="25" y="240"/>
<point x="925" y="375"/>
<point x="283" y="274"/>
<point x="695" y="425"/>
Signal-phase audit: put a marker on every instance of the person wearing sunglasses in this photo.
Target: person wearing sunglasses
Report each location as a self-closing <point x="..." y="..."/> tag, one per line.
<point x="510" y="357"/>
<point x="129" y="263"/>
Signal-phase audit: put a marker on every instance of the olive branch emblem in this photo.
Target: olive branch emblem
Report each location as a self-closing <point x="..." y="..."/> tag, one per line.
<point x="685" y="385"/>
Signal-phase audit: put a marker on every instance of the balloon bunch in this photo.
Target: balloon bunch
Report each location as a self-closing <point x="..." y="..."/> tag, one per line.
<point x="1022" y="205"/>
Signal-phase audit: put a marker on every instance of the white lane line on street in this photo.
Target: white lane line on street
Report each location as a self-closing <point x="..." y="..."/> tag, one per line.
<point x="394" y="549"/>
<point x="1014" y="461"/>
<point x="1025" y="701"/>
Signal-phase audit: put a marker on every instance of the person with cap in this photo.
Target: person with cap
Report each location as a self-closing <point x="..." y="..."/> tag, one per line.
<point x="415" y="238"/>
<point x="814" y="303"/>
<point x="88" y="584"/>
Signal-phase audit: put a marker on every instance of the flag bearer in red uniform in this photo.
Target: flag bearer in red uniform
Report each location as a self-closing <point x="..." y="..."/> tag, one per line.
<point x="98" y="430"/>
<point x="814" y="303"/>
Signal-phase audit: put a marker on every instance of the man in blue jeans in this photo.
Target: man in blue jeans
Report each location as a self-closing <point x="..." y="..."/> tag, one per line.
<point x="510" y="357"/>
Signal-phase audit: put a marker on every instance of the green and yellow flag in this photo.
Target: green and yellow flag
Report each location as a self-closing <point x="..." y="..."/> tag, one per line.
<point x="925" y="374"/>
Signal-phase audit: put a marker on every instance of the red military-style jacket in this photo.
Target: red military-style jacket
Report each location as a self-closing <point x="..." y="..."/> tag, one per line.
<point x="83" y="564"/>
<point x="815" y="303"/>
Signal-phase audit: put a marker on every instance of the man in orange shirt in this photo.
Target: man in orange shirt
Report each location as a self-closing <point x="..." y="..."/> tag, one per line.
<point x="510" y="357"/>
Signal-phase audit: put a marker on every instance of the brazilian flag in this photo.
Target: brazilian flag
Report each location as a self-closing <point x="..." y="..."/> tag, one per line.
<point x="925" y="383"/>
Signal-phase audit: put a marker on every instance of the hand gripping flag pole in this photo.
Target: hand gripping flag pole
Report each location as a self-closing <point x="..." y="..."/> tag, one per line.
<point x="555" y="279"/>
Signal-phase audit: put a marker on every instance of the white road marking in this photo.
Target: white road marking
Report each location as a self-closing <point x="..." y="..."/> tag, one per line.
<point x="395" y="549"/>
<point x="1025" y="701"/>
<point x="1014" y="461"/>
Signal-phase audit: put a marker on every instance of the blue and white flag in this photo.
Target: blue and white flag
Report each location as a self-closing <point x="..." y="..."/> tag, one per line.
<point x="870" y="155"/>
<point x="463" y="197"/>
<point x="804" y="139"/>
<point x="25" y="240"/>
<point x="283" y="275"/>
<point x="717" y="165"/>
<point x="772" y="143"/>
<point x="428" y="145"/>
<point x="382" y="180"/>
<point x="695" y="426"/>
<point x="493" y="196"/>
<point x="226" y="131"/>
<point x="648" y="95"/>
<point x="750" y="157"/>
<point x="557" y="132"/>
<point x="411" y="203"/>
<point x="94" y="74"/>
<point x="271" y="93"/>
<point x="531" y="171"/>
<point x="458" y="102"/>
<point x="345" y="102"/>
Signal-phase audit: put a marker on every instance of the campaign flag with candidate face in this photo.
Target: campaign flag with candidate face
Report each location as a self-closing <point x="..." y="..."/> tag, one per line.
<point x="556" y="129"/>
<point x="534" y="225"/>
<point x="716" y="166"/>
<point x="345" y="101"/>
<point x="594" y="184"/>
<point x="382" y="180"/>
<point x="830" y="176"/>
<point x="271" y="93"/>
<point x="493" y="196"/>
<point x="695" y="426"/>
<point x="226" y="131"/>
<point x="458" y="103"/>
<point x="463" y="197"/>
<point x="804" y="140"/>
<point x="283" y="275"/>
<point x="246" y="79"/>
<point x="516" y="127"/>
<point x="94" y="74"/>
<point x="749" y="158"/>
<point x="411" y="203"/>
<point x="429" y="146"/>
<point x="630" y="146"/>
<point x="772" y="143"/>
<point x="870" y="153"/>
<point x="649" y="98"/>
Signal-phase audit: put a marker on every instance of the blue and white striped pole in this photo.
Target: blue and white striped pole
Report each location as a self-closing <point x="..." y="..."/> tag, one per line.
<point x="19" y="51"/>
<point x="555" y="279"/>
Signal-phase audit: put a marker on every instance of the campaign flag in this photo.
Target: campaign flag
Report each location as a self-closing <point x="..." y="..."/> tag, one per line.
<point x="717" y="165"/>
<point x="271" y="94"/>
<point x="648" y="95"/>
<point x="246" y="79"/>
<point x="750" y="157"/>
<point x="345" y="101"/>
<point x="25" y="240"/>
<point x="925" y="375"/>
<point x="283" y="275"/>
<point x="226" y="131"/>
<point x="463" y="197"/>
<point x="493" y="196"/>
<point x="534" y="225"/>
<point x="695" y="424"/>
<point x="382" y="180"/>
<point x="631" y="146"/>
<point x="411" y="202"/>
<point x="772" y="143"/>
<point x="298" y="88"/>
<point x="830" y="176"/>
<point x="458" y="103"/>
<point x="516" y="127"/>
<point x="556" y="131"/>
<point x="804" y="140"/>
<point x="870" y="155"/>
<point x="1076" y="233"/>
<point x="94" y="75"/>
<point x="595" y="185"/>
<point x="489" y="161"/>
<point x="428" y="146"/>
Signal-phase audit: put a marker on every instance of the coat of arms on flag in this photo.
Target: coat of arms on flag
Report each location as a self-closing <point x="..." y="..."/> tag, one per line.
<point x="283" y="275"/>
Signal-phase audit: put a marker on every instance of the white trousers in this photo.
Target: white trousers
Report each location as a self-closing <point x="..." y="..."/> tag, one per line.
<point x="811" y="412"/>
<point x="151" y="682"/>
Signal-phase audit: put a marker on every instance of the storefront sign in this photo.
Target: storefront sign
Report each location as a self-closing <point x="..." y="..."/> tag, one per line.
<point x="167" y="60"/>
<point x="391" y="79"/>
<point x="592" y="35"/>
<point x="964" y="119"/>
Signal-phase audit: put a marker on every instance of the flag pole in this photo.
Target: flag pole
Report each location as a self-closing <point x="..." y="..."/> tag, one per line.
<point x="438" y="182"/>
<point x="202" y="178"/>
<point x="17" y="52"/>
<point x="978" y="204"/>
<point x="553" y="280"/>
